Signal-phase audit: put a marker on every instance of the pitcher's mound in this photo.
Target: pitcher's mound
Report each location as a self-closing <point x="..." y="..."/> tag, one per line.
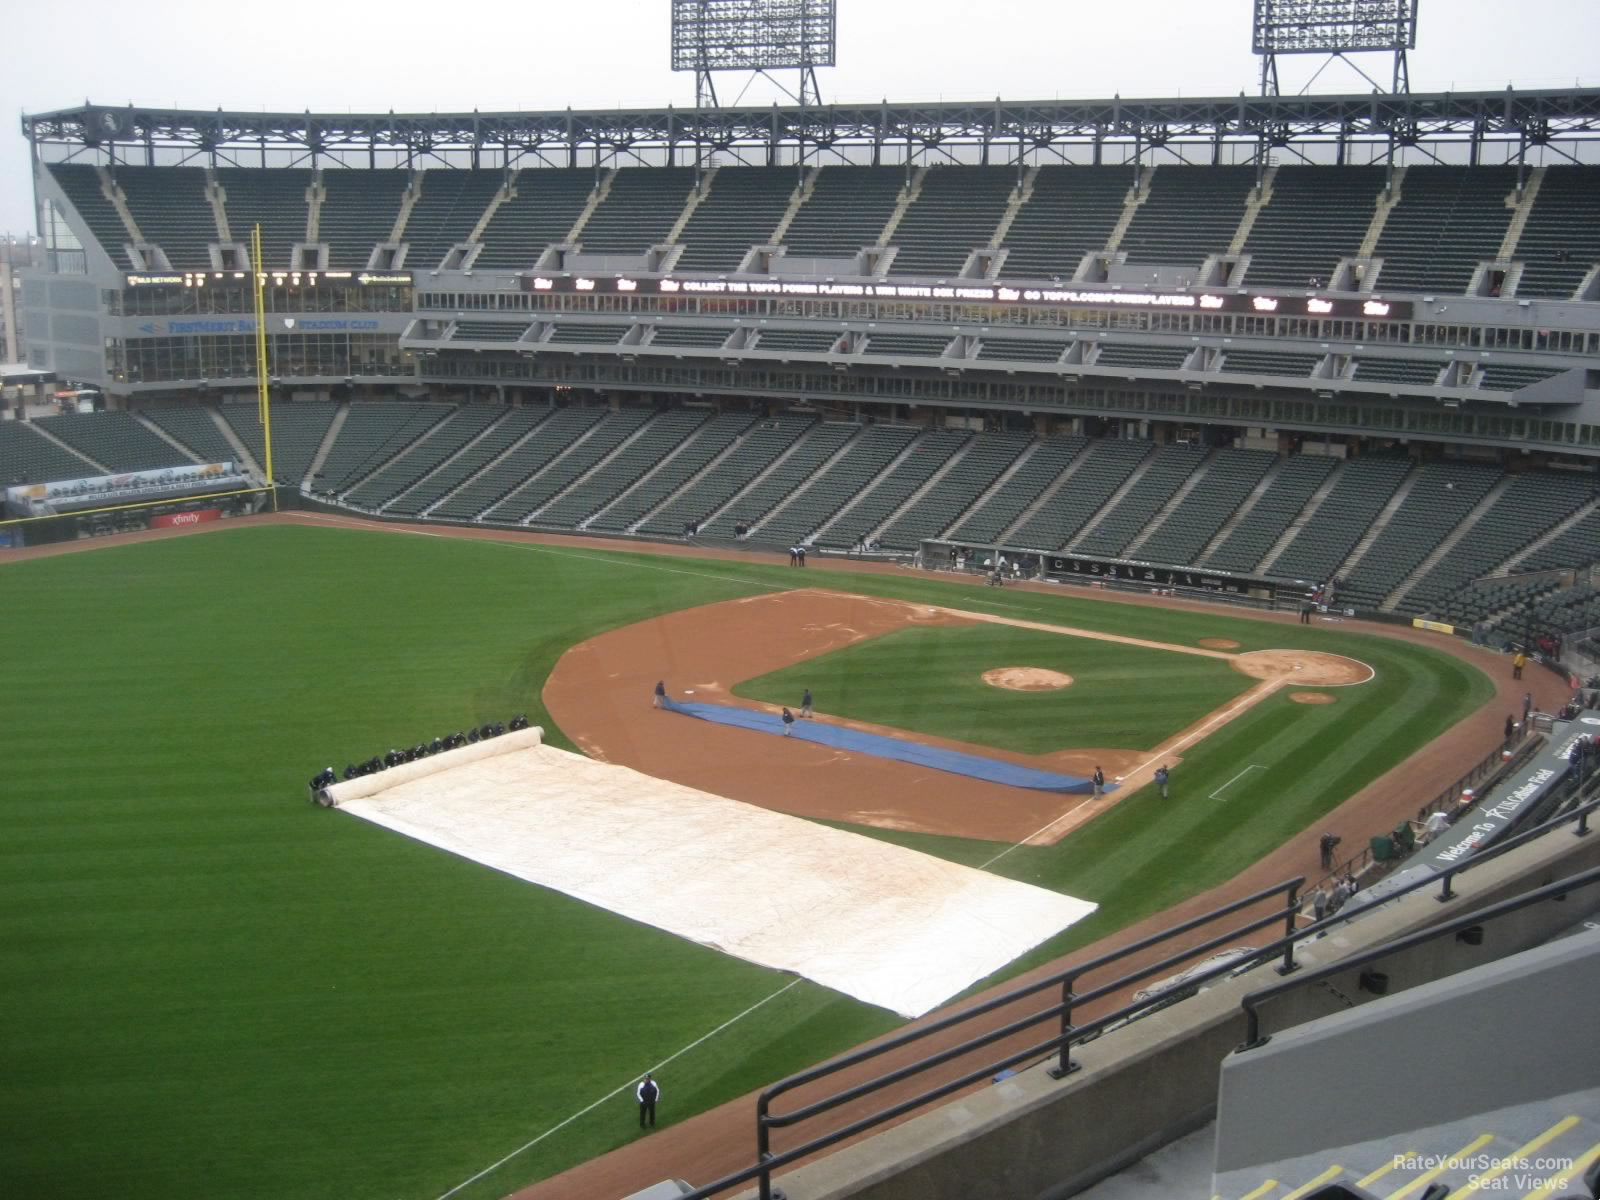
<point x="1026" y="679"/>
<point x="1311" y="697"/>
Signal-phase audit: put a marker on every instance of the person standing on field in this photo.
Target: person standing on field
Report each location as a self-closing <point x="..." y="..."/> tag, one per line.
<point x="661" y="693"/>
<point x="1162" y="775"/>
<point x="648" y="1092"/>
<point x="805" y="703"/>
<point x="788" y="722"/>
<point x="1099" y="781"/>
<point x="1517" y="663"/>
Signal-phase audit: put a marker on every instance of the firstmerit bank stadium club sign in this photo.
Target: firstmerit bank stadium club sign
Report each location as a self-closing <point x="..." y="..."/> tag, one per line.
<point x="980" y="293"/>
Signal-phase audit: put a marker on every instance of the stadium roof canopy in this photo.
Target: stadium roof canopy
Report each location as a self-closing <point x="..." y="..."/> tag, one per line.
<point x="1509" y="121"/>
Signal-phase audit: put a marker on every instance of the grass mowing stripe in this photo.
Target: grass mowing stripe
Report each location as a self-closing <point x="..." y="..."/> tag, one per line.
<point x="228" y="993"/>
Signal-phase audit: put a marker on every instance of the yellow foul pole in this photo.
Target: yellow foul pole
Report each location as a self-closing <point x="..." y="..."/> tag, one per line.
<point x="263" y="390"/>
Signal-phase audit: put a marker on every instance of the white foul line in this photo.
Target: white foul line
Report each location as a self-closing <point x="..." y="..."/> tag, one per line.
<point x="494" y="1166"/>
<point x="1236" y="778"/>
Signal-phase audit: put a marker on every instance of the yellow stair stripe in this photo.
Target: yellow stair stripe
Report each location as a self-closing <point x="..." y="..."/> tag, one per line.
<point x="1517" y="1157"/>
<point x="1561" y="1180"/>
<point x="1427" y="1177"/>
<point x="1307" y="1188"/>
<point x="1369" y="1180"/>
<point x="1261" y="1191"/>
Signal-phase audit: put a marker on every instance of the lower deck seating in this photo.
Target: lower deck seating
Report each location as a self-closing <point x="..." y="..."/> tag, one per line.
<point x="1224" y="482"/>
<point x="1106" y="465"/>
<point x="549" y="438"/>
<point x="1282" y="499"/>
<point x="998" y="510"/>
<point x="115" y="440"/>
<point x="755" y="453"/>
<point x="984" y="461"/>
<point x="1363" y="487"/>
<point x="786" y="476"/>
<point x="888" y="491"/>
<point x="27" y="456"/>
<point x="373" y="433"/>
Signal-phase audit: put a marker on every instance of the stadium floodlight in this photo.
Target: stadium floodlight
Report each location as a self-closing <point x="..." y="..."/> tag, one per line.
<point x="760" y="36"/>
<point x="1335" y="28"/>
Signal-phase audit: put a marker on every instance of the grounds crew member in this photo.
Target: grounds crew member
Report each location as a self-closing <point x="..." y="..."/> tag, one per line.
<point x="648" y="1092"/>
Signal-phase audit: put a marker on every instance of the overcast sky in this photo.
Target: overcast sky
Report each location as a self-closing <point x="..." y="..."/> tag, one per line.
<point x="358" y="55"/>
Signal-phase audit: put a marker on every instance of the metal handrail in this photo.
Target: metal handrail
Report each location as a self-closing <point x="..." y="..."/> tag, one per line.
<point x="767" y="1161"/>
<point x="1252" y="1002"/>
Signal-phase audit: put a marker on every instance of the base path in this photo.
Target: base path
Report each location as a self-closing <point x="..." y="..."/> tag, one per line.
<point x="599" y="695"/>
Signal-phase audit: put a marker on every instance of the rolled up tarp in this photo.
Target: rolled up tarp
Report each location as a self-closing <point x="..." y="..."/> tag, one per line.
<point x="371" y="785"/>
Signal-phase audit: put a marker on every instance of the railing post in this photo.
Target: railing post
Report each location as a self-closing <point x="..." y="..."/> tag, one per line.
<point x="1447" y="894"/>
<point x="763" y="1149"/>
<point x="1064" y="1064"/>
<point x="1252" y="1026"/>
<point x="1583" y="823"/>
<point x="1288" y="966"/>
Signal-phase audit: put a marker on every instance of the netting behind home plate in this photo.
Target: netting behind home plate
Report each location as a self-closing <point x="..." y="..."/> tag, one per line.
<point x="886" y="925"/>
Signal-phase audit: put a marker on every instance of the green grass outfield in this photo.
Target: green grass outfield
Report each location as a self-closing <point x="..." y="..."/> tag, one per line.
<point x="212" y="989"/>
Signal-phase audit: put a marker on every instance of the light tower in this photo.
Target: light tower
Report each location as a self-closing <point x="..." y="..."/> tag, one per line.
<point x="1336" y="28"/>
<point x="758" y="36"/>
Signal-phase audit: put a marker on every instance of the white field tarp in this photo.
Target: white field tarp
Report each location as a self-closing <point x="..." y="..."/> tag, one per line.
<point x="889" y="926"/>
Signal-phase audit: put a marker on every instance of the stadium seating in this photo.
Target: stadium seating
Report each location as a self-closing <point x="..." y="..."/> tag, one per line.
<point x="906" y="345"/>
<point x="1579" y="545"/>
<point x="1283" y="498"/>
<point x="115" y="440"/>
<point x="1225" y="481"/>
<point x="488" y="331"/>
<point x="1531" y="505"/>
<point x="1154" y="358"/>
<point x="276" y="200"/>
<point x="421" y="457"/>
<point x="1565" y="221"/>
<point x="194" y="426"/>
<point x="298" y="431"/>
<point x="994" y="514"/>
<point x="699" y="337"/>
<point x="1071" y="212"/>
<point x="816" y="446"/>
<point x="170" y="207"/>
<point x="1316" y="216"/>
<point x="373" y="433"/>
<point x="81" y="183"/>
<point x="608" y="433"/>
<point x="571" y="333"/>
<point x="480" y="493"/>
<point x="1448" y="220"/>
<point x="804" y="341"/>
<point x="27" y="456"/>
<point x="359" y="211"/>
<point x="547" y="204"/>
<point x="1121" y="522"/>
<point x="1269" y="362"/>
<point x="639" y="211"/>
<point x="741" y="210"/>
<point x="710" y="440"/>
<point x="847" y="209"/>
<point x="1360" y="491"/>
<point x="1440" y="497"/>
<point x="957" y="210"/>
<point x="984" y="461"/>
<point x="518" y="423"/>
<point x="450" y="207"/>
<point x="799" y="518"/>
<point x="889" y="490"/>
<point x="762" y="447"/>
<point x="657" y="440"/>
<point x="1021" y="349"/>
<point x="1190" y="213"/>
<point x="1105" y="467"/>
<point x="1508" y="377"/>
<point x="1412" y="371"/>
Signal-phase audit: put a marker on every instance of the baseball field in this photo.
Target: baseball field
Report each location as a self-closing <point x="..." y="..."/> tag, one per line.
<point x="215" y="989"/>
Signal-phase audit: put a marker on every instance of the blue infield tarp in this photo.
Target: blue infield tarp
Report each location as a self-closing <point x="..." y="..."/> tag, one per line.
<point x="955" y="761"/>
